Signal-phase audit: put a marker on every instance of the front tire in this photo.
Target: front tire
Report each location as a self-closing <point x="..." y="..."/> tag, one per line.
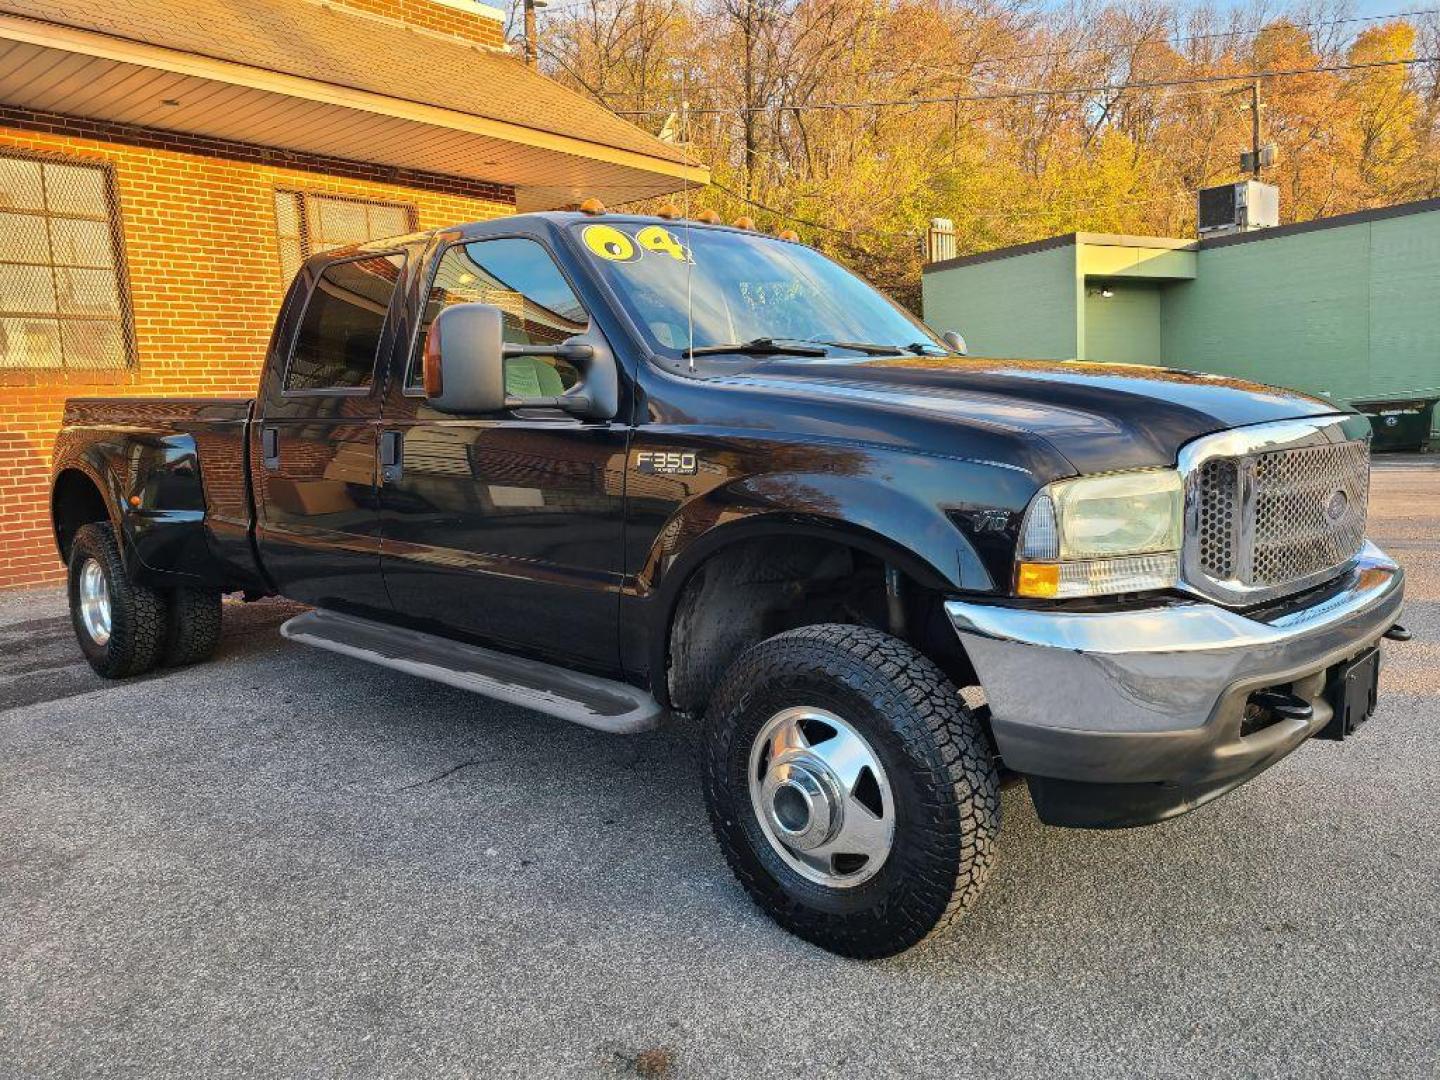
<point x="120" y="624"/>
<point x="852" y="791"/>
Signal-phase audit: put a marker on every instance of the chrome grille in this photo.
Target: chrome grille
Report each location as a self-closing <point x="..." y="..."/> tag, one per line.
<point x="1271" y="520"/>
<point x="1218" y="518"/>
<point x="1309" y="510"/>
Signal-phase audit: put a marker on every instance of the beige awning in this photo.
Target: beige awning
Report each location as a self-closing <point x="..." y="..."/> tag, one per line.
<point x="312" y="78"/>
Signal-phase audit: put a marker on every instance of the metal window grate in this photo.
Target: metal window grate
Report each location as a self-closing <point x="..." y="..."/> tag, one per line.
<point x="306" y="223"/>
<point x="63" y="302"/>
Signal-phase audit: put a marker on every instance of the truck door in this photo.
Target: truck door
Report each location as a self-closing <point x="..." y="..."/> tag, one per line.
<point x="505" y="527"/>
<point x="313" y="451"/>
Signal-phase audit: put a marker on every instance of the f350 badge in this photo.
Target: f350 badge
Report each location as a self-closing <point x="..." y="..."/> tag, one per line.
<point x="666" y="462"/>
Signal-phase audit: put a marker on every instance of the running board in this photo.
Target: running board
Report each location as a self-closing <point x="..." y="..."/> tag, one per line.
<point x="582" y="699"/>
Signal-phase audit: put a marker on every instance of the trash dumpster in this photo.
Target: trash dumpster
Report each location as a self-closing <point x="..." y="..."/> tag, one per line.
<point x="1400" y="424"/>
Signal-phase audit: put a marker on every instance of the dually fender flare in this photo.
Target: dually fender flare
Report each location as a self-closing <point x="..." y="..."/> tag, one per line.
<point x="95" y="467"/>
<point x="106" y="465"/>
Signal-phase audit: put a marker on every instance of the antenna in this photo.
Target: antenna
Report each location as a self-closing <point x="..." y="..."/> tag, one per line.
<point x="689" y="251"/>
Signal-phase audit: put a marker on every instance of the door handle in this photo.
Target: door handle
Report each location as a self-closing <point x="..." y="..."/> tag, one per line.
<point x="270" y="447"/>
<point x="392" y="457"/>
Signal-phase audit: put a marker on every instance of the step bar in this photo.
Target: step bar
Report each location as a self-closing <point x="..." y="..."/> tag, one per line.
<point x="589" y="700"/>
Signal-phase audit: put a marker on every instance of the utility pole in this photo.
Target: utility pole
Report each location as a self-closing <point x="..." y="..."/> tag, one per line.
<point x="1258" y="156"/>
<point x="530" y="47"/>
<point x="1254" y="127"/>
<point x="747" y="22"/>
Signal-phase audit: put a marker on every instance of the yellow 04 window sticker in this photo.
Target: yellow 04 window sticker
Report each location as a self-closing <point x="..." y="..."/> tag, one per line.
<point x="659" y="238"/>
<point x="610" y="243"/>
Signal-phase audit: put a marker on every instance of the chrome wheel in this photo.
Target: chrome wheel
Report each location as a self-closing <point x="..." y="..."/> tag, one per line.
<point x="95" y="602"/>
<point x="822" y="797"/>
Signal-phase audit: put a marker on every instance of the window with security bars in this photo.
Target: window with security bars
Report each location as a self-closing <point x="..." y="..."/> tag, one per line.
<point x="307" y="223"/>
<point x="62" y="296"/>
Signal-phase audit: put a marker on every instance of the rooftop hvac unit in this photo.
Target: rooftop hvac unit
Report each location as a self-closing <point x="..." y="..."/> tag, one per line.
<point x="1241" y="207"/>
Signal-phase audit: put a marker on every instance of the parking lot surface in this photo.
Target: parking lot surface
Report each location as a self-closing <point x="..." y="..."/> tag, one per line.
<point x="285" y="862"/>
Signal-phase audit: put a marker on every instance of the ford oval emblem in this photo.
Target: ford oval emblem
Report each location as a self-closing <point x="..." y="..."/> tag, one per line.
<point x="1335" y="508"/>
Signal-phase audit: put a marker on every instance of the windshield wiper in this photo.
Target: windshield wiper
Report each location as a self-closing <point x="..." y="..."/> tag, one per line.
<point x="760" y="346"/>
<point x="869" y="348"/>
<point x="876" y="348"/>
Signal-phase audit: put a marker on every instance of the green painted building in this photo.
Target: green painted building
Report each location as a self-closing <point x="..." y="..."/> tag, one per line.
<point x="1348" y="306"/>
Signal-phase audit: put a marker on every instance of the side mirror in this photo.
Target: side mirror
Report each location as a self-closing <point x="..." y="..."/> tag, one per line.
<point x="464" y="362"/>
<point x="464" y="367"/>
<point x="955" y="342"/>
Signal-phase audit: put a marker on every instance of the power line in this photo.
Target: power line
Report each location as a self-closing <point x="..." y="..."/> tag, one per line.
<point x="1074" y="49"/>
<point x="1038" y="92"/>
<point x="914" y="234"/>
<point x="1211" y="35"/>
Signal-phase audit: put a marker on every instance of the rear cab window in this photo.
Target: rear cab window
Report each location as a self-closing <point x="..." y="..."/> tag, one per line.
<point x="339" y="335"/>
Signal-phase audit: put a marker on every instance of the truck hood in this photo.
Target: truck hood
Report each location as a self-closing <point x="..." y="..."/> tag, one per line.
<point x="1100" y="417"/>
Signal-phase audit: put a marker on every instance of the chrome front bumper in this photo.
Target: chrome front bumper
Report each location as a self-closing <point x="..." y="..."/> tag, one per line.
<point x="1155" y="696"/>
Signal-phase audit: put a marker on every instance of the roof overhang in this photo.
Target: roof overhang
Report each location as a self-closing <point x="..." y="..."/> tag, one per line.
<point x="50" y="68"/>
<point x="1101" y="255"/>
<point x="1146" y="258"/>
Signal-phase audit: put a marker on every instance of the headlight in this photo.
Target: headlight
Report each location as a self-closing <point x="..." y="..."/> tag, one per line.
<point x="1097" y="535"/>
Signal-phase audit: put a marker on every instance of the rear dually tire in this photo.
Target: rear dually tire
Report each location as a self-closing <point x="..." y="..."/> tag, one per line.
<point x="193" y="625"/>
<point x="119" y="623"/>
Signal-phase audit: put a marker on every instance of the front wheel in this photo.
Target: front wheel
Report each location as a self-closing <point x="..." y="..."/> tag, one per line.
<point x="852" y="791"/>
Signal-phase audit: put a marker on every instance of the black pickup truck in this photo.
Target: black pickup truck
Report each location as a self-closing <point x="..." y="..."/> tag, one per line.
<point x="623" y="469"/>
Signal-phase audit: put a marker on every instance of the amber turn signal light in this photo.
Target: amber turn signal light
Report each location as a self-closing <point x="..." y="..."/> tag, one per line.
<point x="1037" y="579"/>
<point x="430" y="364"/>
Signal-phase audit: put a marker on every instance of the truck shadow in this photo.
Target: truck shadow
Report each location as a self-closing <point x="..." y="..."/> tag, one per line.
<point x="41" y="662"/>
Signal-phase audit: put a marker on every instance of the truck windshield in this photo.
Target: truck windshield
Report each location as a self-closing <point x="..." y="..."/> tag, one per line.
<point x="708" y="288"/>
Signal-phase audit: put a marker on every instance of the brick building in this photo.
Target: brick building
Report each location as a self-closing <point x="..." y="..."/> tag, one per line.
<point x="165" y="166"/>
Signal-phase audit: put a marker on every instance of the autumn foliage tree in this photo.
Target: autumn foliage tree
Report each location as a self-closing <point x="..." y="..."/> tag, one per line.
<point x="856" y="121"/>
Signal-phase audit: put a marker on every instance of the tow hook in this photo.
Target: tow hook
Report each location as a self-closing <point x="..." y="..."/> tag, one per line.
<point x="1283" y="704"/>
<point x="1398" y="633"/>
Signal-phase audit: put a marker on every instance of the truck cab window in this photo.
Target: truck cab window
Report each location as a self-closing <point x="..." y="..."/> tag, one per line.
<point x="340" y="331"/>
<point x="519" y="277"/>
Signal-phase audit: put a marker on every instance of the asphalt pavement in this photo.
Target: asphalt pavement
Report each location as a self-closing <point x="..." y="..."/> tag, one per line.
<point x="288" y="863"/>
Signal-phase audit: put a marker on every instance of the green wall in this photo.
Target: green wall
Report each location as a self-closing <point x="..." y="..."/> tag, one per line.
<point x="1293" y="311"/>
<point x="1124" y="327"/>
<point x="1023" y="306"/>
<point x="1405" y="304"/>
<point x="1351" y="310"/>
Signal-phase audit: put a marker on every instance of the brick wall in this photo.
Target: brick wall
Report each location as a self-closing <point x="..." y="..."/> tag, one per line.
<point x="198" y="224"/>
<point x="442" y="18"/>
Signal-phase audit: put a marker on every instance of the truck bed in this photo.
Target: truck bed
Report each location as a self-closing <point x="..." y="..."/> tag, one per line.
<point x="177" y="469"/>
<point x="159" y="412"/>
